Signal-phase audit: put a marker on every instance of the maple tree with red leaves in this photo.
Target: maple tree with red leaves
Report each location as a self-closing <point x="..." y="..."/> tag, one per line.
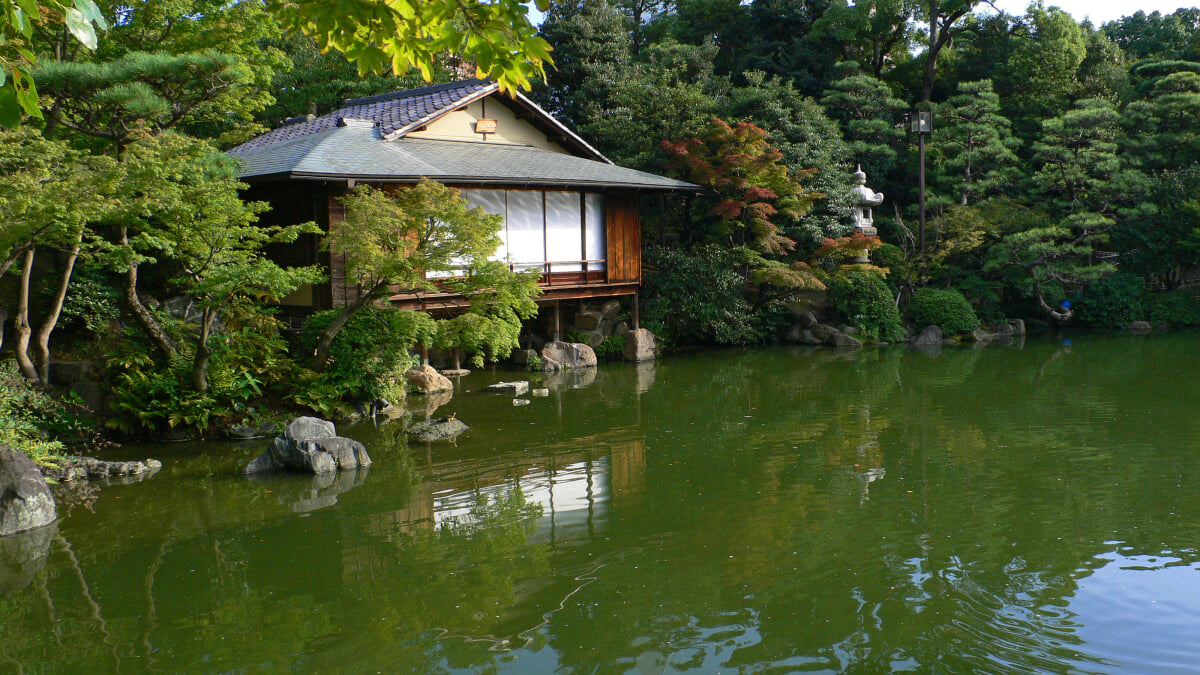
<point x="753" y="191"/>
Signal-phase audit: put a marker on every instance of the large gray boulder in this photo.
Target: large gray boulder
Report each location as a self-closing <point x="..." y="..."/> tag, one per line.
<point x="567" y="356"/>
<point x="311" y="445"/>
<point x="588" y="320"/>
<point x="823" y="334"/>
<point x="929" y="337"/>
<point x="25" y="499"/>
<point x="639" y="345"/>
<point x="427" y="380"/>
<point x="844" y="341"/>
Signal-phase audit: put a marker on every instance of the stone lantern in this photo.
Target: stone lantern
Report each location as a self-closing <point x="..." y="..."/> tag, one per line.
<point x="864" y="221"/>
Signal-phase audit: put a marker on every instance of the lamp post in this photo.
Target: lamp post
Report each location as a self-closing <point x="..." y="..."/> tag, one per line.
<point x="922" y="126"/>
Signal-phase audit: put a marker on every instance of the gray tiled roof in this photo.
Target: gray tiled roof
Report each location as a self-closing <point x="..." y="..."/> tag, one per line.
<point x="359" y="151"/>
<point x="389" y="112"/>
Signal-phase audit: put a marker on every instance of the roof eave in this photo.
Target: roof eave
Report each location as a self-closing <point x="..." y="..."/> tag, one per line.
<point x="469" y="180"/>
<point x="559" y="126"/>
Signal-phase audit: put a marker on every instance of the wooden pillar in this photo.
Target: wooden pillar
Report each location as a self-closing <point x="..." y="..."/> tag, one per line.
<point x="637" y="313"/>
<point x="424" y="354"/>
<point x="557" y="322"/>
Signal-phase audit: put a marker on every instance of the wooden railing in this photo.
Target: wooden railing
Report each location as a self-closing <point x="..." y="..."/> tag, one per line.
<point x="589" y="271"/>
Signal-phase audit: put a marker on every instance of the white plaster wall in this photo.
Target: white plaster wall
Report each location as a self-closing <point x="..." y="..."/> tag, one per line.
<point x="460" y="126"/>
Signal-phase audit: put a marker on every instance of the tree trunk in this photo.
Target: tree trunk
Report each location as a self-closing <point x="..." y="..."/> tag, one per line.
<point x="1059" y="315"/>
<point x="24" y="331"/>
<point x="143" y="315"/>
<point x="204" y="351"/>
<point x="325" y="344"/>
<point x="51" y="320"/>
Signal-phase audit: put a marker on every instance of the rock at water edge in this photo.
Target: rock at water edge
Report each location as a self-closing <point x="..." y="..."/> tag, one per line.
<point x="25" y="500"/>
<point x="310" y="444"/>
<point x="845" y="341"/>
<point x="639" y="345"/>
<point x="515" y="388"/>
<point x="442" y="429"/>
<point x="929" y="337"/>
<point x="567" y="356"/>
<point x="427" y="379"/>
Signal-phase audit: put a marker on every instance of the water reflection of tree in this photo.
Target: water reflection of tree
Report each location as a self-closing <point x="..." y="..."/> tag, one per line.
<point x="1004" y="481"/>
<point x="226" y="578"/>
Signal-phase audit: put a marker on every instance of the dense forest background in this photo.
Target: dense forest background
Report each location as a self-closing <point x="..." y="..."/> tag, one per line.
<point x="1061" y="175"/>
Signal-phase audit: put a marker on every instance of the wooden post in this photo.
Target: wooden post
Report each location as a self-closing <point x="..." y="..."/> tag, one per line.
<point x="557" y="322"/>
<point x="637" y="313"/>
<point x="424" y="354"/>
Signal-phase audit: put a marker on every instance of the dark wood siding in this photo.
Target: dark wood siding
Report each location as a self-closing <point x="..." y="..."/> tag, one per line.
<point x="624" y="238"/>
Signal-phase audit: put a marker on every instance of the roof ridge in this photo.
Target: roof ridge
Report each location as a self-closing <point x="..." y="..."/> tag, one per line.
<point x="412" y="93"/>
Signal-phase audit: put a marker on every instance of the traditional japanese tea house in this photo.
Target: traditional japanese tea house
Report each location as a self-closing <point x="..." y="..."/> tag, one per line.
<point x="569" y="211"/>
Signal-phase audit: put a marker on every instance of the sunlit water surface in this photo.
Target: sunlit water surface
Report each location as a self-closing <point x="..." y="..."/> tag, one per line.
<point x="1023" y="508"/>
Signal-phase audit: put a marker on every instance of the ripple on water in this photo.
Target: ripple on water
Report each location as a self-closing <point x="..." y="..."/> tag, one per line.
<point x="1140" y="613"/>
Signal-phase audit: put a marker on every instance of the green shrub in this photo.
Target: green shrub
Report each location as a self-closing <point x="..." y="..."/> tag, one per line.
<point x="946" y="308"/>
<point x="862" y="299"/>
<point x="368" y="356"/>
<point x="534" y="364"/>
<point x="698" y="297"/>
<point x="1113" y="302"/>
<point x="32" y="420"/>
<point x="574" y="335"/>
<point x="248" y="372"/>
<point x="612" y="349"/>
<point x="1177" y="308"/>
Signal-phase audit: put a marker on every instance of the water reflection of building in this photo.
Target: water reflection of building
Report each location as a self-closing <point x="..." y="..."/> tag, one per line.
<point x="577" y="483"/>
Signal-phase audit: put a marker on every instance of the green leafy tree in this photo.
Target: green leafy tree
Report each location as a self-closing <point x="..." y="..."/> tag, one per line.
<point x="407" y="238"/>
<point x="875" y="33"/>
<point x="1162" y="132"/>
<point x="318" y="82"/>
<point x="1083" y="180"/>
<point x="1162" y="240"/>
<point x="1040" y="71"/>
<point x="180" y="208"/>
<point x="1153" y="35"/>
<point x="776" y="37"/>
<point x="591" y="55"/>
<point x="670" y="92"/>
<point x="49" y="198"/>
<point x="496" y="36"/>
<point x="975" y="146"/>
<point x="138" y="92"/>
<point x="945" y="20"/>
<point x="200" y="65"/>
<point x="1081" y="173"/>
<point x="21" y="20"/>
<point x="1104" y="71"/>
<point x="870" y="114"/>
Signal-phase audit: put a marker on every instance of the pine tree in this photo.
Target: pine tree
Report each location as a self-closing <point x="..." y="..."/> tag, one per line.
<point x="975" y="144"/>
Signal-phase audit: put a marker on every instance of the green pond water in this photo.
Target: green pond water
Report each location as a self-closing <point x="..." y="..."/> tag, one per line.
<point x="1015" y="509"/>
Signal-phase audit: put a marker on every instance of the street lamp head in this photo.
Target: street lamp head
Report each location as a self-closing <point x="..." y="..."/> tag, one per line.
<point x="922" y="122"/>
